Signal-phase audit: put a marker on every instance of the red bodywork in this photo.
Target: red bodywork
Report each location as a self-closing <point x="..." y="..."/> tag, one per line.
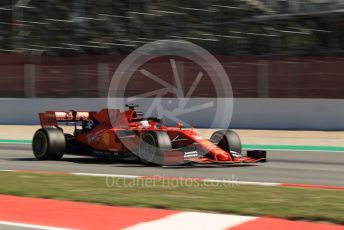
<point x="101" y="132"/>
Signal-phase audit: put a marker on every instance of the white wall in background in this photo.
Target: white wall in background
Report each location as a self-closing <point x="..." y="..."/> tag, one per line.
<point x="320" y="114"/>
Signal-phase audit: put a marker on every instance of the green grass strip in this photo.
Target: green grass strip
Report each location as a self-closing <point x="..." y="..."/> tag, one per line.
<point x="281" y="202"/>
<point x="15" y="141"/>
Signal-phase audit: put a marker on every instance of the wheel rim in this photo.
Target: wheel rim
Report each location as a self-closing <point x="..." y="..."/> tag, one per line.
<point x="148" y="149"/>
<point x="219" y="141"/>
<point x="222" y="144"/>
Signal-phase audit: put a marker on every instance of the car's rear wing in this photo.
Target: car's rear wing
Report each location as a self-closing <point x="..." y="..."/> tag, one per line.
<point x="52" y="118"/>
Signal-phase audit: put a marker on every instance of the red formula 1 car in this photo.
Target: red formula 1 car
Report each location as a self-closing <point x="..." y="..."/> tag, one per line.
<point x="128" y="134"/>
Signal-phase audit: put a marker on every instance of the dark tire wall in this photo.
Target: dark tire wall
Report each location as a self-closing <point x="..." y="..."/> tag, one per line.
<point x="228" y="140"/>
<point x="49" y="144"/>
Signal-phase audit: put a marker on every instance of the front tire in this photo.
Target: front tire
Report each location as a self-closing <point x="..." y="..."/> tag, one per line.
<point x="227" y="140"/>
<point x="49" y="144"/>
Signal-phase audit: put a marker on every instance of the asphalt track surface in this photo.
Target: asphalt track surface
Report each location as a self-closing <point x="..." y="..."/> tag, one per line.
<point x="299" y="167"/>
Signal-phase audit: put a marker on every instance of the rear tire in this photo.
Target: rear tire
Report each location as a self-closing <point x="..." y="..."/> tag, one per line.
<point x="152" y="146"/>
<point x="227" y="140"/>
<point x="49" y="144"/>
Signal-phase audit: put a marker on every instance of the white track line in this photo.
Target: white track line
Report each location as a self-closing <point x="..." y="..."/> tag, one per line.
<point x="234" y="182"/>
<point x="193" y="220"/>
<point x="32" y="226"/>
<point x="243" y="182"/>
<point x="105" y="175"/>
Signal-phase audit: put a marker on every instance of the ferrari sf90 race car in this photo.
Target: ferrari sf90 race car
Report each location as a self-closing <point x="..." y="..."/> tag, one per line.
<point x="129" y="134"/>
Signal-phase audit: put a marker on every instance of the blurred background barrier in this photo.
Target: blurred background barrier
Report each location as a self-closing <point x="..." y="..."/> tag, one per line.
<point x="250" y="113"/>
<point x="284" y="55"/>
<point x="251" y="77"/>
